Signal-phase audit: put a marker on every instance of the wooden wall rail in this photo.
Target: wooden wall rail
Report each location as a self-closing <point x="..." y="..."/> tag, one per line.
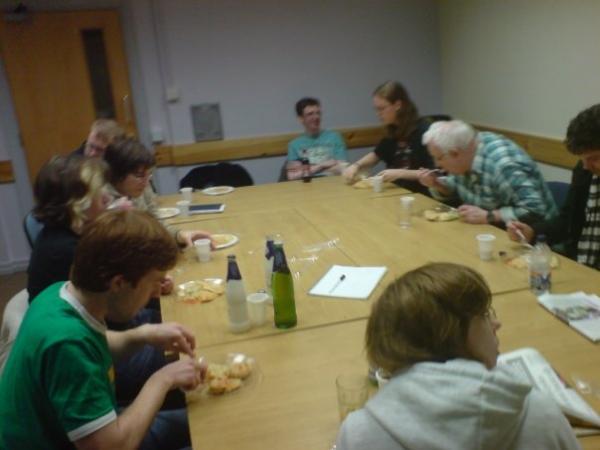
<point x="256" y="147"/>
<point x="6" y="172"/>
<point x="542" y="149"/>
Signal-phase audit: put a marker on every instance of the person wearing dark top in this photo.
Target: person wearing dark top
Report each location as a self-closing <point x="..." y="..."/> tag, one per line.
<point x="69" y="192"/>
<point x="576" y="230"/>
<point x="401" y="150"/>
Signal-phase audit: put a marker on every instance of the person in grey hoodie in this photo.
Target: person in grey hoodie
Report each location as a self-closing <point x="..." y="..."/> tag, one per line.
<point x="435" y="331"/>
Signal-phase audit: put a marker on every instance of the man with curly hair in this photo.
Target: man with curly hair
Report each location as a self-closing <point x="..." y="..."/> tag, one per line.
<point x="577" y="227"/>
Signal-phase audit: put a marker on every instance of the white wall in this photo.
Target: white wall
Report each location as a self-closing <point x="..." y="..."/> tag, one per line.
<point x="258" y="58"/>
<point x="254" y="58"/>
<point x="527" y="66"/>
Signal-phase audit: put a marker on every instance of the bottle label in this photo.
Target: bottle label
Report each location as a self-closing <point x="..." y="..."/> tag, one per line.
<point x="540" y="282"/>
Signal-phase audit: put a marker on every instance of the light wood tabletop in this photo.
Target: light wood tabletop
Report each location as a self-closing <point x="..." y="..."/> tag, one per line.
<point x="291" y="403"/>
<point x="527" y="324"/>
<point x="309" y="253"/>
<point x="265" y="197"/>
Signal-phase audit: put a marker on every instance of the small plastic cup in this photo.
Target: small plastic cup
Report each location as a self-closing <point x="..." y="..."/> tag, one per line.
<point x="257" y="308"/>
<point x="405" y="211"/>
<point x="184" y="207"/>
<point x="202" y="249"/>
<point x="485" y="244"/>
<point x="186" y="193"/>
<point x="377" y="184"/>
<point x="352" y="392"/>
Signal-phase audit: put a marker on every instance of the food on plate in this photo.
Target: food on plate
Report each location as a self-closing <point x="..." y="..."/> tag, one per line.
<point x="440" y="216"/>
<point x="240" y="370"/>
<point x="365" y="183"/>
<point x="219" y="386"/>
<point x="522" y="261"/>
<point x="228" y="377"/>
<point x="199" y="291"/>
<point x="217" y="371"/>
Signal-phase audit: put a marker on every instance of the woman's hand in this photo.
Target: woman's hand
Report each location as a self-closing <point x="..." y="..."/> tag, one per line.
<point x="350" y="172"/>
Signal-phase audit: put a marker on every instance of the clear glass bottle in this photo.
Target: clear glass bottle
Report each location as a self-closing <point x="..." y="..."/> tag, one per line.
<point x="237" y="307"/>
<point x="282" y="285"/>
<point x="540" y="270"/>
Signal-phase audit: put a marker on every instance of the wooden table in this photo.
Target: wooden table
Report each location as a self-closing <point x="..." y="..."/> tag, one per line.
<point x="323" y="223"/>
<point x="527" y="324"/>
<point x="267" y="197"/>
<point x="293" y="406"/>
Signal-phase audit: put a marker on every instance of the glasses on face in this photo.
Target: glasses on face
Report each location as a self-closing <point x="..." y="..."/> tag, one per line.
<point x="490" y="314"/>
<point x="142" y="175"/>
<point x="380" y="109"/>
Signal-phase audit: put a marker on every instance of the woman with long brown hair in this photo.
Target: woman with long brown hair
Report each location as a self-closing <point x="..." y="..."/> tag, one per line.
<point x="401" y="149"/>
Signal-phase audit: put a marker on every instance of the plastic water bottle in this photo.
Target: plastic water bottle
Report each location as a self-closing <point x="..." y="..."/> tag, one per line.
<point x="237" y="307"/>
<point x="540" y="271"/>
<point x="269" y="256"/>
<point x="284" y="304"/>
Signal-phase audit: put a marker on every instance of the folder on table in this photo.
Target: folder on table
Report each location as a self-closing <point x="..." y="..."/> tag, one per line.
<point x="348" y="282"/>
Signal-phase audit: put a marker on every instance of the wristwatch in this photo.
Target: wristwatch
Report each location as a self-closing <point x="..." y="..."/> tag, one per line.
<point x="491" y="217"/>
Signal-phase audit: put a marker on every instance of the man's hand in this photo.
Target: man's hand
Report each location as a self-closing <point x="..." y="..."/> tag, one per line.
<point x="515" y="228"/>
<point x="166" y="285"/>
<point x="350" y="173"/>
<point x="429" y="178"/>
<point x="188" y="237"/>
<point x="169" y="336"/>
<point x="390" y="174"/>
<point x="186" y="374"/>
<point x="472" y="214"/>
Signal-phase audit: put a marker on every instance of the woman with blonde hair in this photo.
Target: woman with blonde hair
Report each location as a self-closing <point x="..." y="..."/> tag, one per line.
<point x="401" y="149"/>
<point x="69" y="192"/>
<point x="434" y="330"/>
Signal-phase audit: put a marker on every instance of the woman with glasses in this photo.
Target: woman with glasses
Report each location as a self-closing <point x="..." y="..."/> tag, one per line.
<point x="401" y="150"/>
<point x="434" y="330"/>
<point x="130" y="171"/>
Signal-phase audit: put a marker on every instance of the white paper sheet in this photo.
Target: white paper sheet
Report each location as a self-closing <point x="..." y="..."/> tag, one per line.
<point x="358" y="282"/>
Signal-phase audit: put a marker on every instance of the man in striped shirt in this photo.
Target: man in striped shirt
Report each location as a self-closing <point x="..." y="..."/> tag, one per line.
<point x="491" y="177"/>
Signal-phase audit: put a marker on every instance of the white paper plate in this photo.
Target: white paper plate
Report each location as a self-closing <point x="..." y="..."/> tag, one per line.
<point x="218" y="190"/>
<point x="232" y="240"/>
<point x="165" y="213"/>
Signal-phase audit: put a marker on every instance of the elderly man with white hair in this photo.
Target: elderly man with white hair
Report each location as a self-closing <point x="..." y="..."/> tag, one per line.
<point x="494" y="180"/>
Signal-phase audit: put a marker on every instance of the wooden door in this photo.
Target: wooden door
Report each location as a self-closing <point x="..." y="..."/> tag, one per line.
<point x="65" y="70"/>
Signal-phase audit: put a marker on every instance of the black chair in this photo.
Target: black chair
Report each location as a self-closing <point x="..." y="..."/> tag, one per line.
<point x="559" y="190"/>
<point x="437" y="117"/>
<point x="221" y="174"/>
<point x="32" y="228"/>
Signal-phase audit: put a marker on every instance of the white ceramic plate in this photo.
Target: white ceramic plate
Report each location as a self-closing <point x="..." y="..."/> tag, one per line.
<point x="224" y="240"/>
<point x="218" y="190"/>
<point x="165" y="213"/>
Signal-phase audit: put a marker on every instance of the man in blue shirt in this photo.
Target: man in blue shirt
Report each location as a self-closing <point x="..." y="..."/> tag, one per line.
<point x="324" y="149"/>
<point x="491" y="177"/>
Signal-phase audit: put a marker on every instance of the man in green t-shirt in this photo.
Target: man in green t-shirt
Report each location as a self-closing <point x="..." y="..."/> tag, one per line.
<point x="57" y="387"/>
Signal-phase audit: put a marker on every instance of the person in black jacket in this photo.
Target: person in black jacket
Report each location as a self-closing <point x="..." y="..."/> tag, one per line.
<point x="577" y="228"/>
<point x="402" y="149"/>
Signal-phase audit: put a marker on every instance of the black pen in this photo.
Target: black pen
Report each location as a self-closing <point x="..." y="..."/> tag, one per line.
<point x="337" y="283"/>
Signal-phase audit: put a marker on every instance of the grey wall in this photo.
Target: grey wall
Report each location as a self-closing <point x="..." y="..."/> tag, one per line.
<point x="256" y="59"/>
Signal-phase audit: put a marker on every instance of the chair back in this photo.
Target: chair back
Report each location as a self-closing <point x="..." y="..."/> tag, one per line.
<point x="32" y="228"/>
<point x="221" y="174"/>
<point x="11" y="322"/>
<point x="559" y="190"/>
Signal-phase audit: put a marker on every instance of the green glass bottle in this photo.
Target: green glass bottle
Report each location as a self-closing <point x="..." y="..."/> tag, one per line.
<point x="282" y="286"/>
